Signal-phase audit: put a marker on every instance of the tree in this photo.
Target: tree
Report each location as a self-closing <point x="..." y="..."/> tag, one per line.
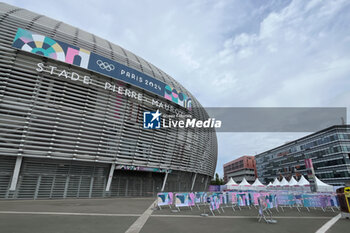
<point x="217" y="180"/>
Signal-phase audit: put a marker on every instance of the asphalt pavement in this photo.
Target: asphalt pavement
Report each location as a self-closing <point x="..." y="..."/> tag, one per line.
<point x="134" y="215"/>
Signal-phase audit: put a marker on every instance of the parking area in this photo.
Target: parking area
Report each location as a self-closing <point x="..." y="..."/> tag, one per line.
<point x="133" y="215"/>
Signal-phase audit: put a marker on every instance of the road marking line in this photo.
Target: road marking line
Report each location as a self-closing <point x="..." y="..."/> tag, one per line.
<point x="148" y="213"/>
<point x="64" y="213"/>
<point x="140" y="222"/>
<point x="328" y="224"/>
<point x="229" y="217"/>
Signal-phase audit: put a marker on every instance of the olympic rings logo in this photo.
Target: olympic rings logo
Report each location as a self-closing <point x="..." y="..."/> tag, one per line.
<point x="105" y="65"/>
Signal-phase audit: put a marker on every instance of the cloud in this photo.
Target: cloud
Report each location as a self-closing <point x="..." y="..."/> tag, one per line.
<point x="298" y="56"/>
<point x="185" y="53"/>
<point x="291" y="53"/>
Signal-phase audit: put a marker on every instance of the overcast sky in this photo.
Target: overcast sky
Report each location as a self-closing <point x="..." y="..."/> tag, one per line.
<point x="242" y="53"/>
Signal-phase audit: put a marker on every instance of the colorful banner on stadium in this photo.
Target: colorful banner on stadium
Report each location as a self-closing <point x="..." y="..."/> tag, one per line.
<point x="57" y="50"/>
<point x="144" y="169"/>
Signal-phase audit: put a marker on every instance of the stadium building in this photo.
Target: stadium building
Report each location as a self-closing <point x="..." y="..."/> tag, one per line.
<point x="72" y="110"/>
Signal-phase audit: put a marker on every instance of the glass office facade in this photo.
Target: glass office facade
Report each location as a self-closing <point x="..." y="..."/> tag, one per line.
<point x="329" y="150"/>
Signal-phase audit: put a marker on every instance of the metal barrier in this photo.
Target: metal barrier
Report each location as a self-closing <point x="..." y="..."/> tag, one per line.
<point x="263" y="201"/>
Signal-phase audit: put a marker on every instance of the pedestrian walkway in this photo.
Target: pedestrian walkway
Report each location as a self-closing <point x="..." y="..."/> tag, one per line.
<point x="138" y="215"/>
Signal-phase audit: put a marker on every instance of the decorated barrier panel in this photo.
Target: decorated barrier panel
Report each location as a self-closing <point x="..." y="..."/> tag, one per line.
<point x="243" y="199"/>
<point x="184" y="199"/>
<point x="285" y="199"/>
<point x="298" y="199"/>
<point x="255" y="198"/>
<point x="165" y="199"/>
<point x="333" y="201"/>
<point x="234" y="199"/>
<point x="270" y="199"/>
<point x="277" y="199"/>
<point x="226" y="198"/>
<point x="214" y="202"/>
<point x="319" y="200"/>
<point x="314" y="200"/>
<point x="200" y="197"/>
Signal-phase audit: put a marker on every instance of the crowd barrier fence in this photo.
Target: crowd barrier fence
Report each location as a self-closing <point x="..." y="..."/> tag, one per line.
<point x="279" y="200"/>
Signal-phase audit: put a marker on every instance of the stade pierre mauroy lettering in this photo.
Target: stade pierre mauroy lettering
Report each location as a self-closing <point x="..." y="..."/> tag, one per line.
<point x="53" y="70"/>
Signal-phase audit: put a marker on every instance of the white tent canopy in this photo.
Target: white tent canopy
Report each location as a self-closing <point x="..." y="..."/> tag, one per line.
<point x="244" y="183"/>
<point x="321" y="183"/>
<point x="323" y="187"/>
<point x="303" y="181"/>
<point x="257" y="183"/>
<point x="276" y="182"/>
<point x="303" y="185"/>
<point x="284" y="182"/>
<point x="231" y="182"/>
<point x="270" y="184"/>
<point x="293" y="182"/>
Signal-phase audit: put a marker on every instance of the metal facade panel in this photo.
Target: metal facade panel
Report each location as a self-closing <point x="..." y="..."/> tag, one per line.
<point x="54" y="118"/>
